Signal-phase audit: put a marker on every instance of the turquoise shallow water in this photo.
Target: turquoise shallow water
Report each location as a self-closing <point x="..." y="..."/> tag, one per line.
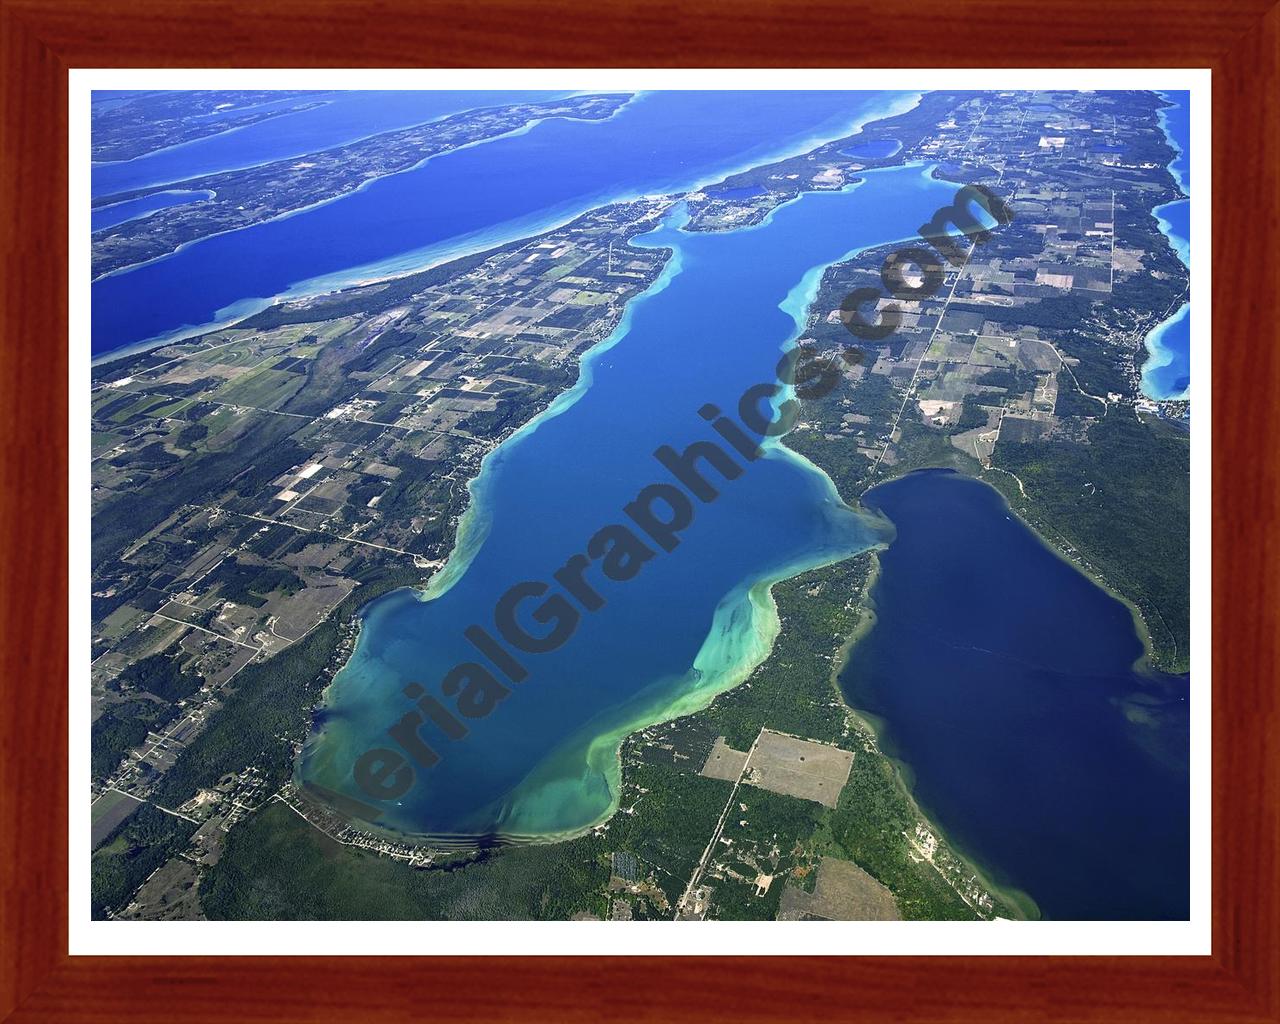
<point x="693" y="620"/>
<point x="1167" y="373"/>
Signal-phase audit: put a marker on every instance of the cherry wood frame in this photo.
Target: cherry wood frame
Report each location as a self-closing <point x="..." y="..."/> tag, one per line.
<point x="41" y="39"/>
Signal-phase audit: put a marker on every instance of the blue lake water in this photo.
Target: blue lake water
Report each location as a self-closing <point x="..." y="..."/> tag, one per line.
<point x="343" y="117"/>
<point x="743" y="192"/>
<point x="131" y="209"/>
<point x="1003" y="678"/>
<point x="1167" y="371"/>
<point x="469" y="199"/>
<point x="544" y="762"/>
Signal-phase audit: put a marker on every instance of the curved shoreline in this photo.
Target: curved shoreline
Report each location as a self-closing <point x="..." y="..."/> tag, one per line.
<point x="1144" y="664"/>
<point x="473" y="527"/>
<point x="304" y="105"/>
<point x="1159" y="357"/>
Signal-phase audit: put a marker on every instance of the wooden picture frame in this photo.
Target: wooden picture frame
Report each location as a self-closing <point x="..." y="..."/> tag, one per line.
<point x="42" y="39"/>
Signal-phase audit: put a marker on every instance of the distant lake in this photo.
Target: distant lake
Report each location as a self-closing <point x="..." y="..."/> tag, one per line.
<point x="471" y="199"/>
<point x="873" y="149"/>
<point x="744" y="192"/>
<point x="1003" y="678"/>
<point x="1167" y="373"/>
<point x="693" y="621"/>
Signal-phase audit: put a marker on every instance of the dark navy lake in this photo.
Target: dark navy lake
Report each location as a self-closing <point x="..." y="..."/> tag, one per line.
<point x="1004" y="679"/>
<point x="118" y="213"/>
<point x="873" y="149"/>
<point x="471" y="199"/>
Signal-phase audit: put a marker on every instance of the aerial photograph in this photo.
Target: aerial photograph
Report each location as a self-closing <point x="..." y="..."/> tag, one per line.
<point x="633" y="505"/>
